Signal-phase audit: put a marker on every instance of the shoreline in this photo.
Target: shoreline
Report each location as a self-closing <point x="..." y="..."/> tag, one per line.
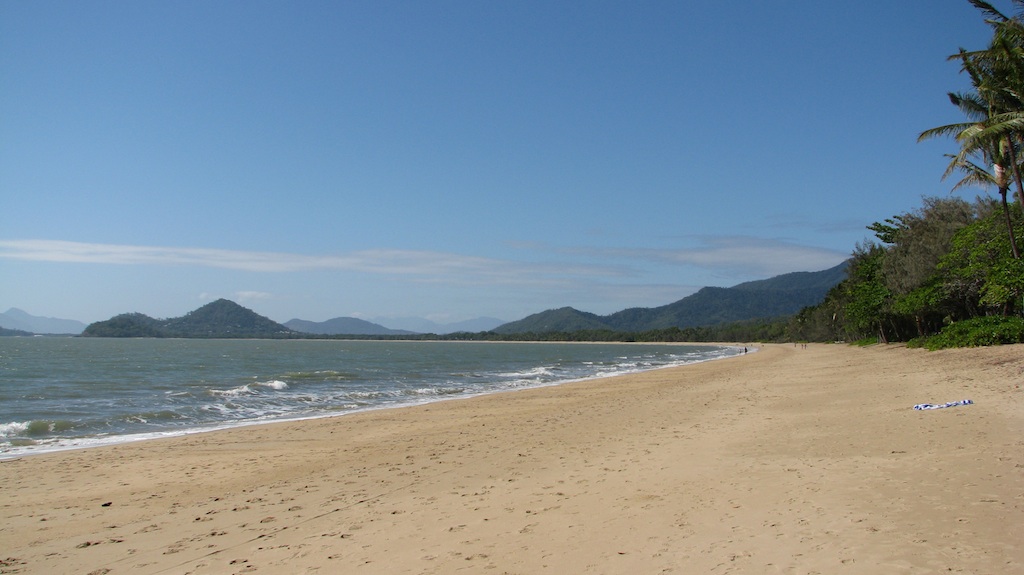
<point x="90" y="442"/>
<point x="786" y="460"/>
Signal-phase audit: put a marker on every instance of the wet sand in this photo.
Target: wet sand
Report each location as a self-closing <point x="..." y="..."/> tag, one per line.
<point x="788" y="460"/>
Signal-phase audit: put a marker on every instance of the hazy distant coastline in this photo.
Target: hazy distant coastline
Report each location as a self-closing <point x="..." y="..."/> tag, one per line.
<point x="772" y="298"/>
<point x="19" y="320"/>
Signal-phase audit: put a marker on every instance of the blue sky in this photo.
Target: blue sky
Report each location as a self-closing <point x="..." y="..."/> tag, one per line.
<point x="455" y="159"/>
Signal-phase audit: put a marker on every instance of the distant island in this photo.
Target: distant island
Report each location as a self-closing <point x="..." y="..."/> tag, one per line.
<point x="219" y="319"/>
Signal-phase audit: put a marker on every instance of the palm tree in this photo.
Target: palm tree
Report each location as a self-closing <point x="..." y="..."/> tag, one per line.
<point x="975" y="174"/>
<point x="996" y="151"/>
<point x="995" y="112"/>
<point x="997" y="75"/>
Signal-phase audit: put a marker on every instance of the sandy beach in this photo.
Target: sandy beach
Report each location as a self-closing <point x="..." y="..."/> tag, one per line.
<point x="788" y="460"/>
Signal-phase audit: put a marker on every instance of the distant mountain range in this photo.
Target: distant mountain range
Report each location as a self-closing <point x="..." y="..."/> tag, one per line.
<point x="778" y="296"/>
<point x="421" y="325"/>
<point x="774" y="297"/>
<point x="342" y="326"/>
<point x="18" y="320"/>
<point x="399" y="326"/>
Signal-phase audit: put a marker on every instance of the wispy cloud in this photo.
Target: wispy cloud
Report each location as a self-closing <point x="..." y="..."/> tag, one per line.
<point x="741" y="256"/>
<point x="252" y="295"/>
<point x="381" y="261"/>
<point x="424" y="265"/>
<point x="79" y="252"/>
<point x="239" y="296"/>
<point x="586" y="271"/>
<point x="752" y="256"/>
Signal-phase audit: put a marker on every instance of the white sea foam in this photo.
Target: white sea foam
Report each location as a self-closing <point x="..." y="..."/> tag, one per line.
<point x="532" y="373"/>
<point x="13" y="428"/>
<point x="233" y="392"/>
<point x="438" y="390"/>
<point x="375" y="394"/>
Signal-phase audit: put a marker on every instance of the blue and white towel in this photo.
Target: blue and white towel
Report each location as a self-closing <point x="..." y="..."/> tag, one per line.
<point x="941" y="405"/>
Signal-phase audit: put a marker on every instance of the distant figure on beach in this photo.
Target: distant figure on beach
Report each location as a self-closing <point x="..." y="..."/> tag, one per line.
<point x="744" y="350"/>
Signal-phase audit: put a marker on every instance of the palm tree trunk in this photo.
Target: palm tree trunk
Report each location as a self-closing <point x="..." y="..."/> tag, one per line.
<point x="1020" y="196"/>
<point x="1016" y="174"/>
<point x="1009" y="223"/>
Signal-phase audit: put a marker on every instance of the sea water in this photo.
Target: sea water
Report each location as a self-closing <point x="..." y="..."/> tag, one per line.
<point x="61" y="393"/>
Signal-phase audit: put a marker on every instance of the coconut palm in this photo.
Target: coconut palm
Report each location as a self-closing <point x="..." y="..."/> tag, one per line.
<point x="997" y="75"/>
<point x="978" y="151"/>
<point x="995" y="112"/>
<point x="976" y="173"/>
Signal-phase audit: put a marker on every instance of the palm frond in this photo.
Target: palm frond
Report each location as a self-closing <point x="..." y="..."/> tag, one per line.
<point x="971" y="104"/>
<point x="949" y="130"/>
<point x="988" y="9"/>
<point x="1001" y="125"/>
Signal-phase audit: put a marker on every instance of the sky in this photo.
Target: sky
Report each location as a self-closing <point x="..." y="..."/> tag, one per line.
<point x="454" y="159"/>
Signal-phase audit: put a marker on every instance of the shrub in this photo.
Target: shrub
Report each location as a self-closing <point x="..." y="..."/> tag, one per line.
<point x="990" y="330"/>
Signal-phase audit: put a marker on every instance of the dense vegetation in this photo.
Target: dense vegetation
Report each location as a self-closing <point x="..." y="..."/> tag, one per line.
<point x="946" y="268"/>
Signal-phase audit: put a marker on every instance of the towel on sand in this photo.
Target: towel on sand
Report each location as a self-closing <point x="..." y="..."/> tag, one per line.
<point x="941" y="405"/>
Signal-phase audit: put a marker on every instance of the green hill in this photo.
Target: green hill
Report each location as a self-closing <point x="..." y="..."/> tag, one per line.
<point x="220" y="319"/>
<point x="564" y="319"/>
<point x="125" y="325"/>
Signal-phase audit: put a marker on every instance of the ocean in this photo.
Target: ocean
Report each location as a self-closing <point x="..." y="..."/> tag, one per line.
<point x="62" y="392"/>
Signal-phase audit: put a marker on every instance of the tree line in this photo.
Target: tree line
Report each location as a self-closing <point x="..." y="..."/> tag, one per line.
<point x="939" y="276"/>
